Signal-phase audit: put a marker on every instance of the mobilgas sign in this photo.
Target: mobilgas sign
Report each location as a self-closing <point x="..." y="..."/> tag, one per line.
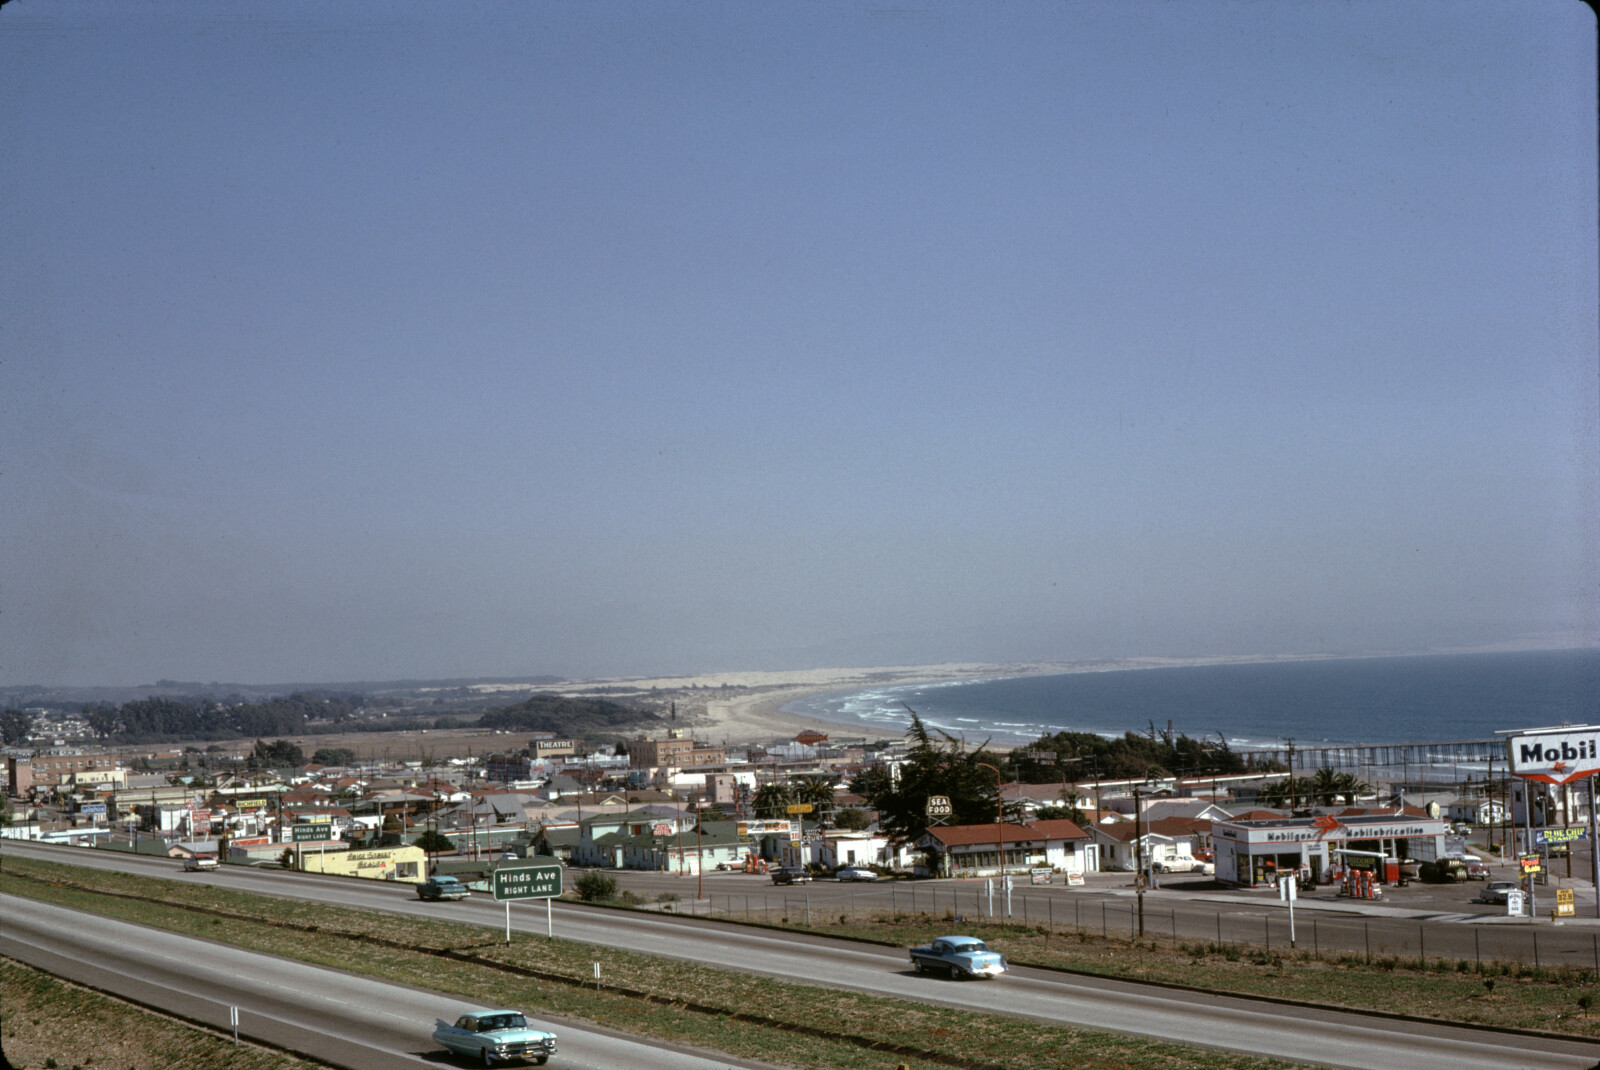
<point x="1558" y="757"/>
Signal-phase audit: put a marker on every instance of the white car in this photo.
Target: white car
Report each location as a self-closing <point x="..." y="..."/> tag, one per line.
<point x="195" y="863"/>
<point x="493" y="1035"/>
<point x="855" y="873"/>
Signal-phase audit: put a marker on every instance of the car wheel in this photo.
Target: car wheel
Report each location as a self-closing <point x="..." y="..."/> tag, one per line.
<point x="953" y="973"/>
<point x="488" y="1060"/>
<point x="541" y="1060"/>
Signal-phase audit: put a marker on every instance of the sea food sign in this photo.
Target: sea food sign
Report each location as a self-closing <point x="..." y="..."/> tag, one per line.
<point x="1555" y="757"/>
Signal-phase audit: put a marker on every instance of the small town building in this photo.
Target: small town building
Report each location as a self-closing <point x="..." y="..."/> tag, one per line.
<point x="974" y="850"/>
<point x="1250" y="853"/>
<point x="377" y="863"/>
<point x="1120" y="843"/>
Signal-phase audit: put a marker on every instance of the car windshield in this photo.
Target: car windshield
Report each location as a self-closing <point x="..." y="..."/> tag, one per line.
<point x="501" y="1021"/>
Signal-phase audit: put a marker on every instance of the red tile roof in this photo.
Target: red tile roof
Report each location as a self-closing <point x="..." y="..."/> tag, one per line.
<point x="965" y="835"/>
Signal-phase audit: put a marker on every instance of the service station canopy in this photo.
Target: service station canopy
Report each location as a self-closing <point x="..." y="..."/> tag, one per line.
<point x="1556" y="755"/>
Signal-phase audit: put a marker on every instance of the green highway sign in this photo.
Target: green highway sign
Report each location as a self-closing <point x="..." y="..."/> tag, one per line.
<point x="526" y="882"/>
<point x="312" y="833"/>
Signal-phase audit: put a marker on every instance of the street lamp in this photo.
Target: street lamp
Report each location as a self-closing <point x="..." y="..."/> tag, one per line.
<point x="1000" y="815"/>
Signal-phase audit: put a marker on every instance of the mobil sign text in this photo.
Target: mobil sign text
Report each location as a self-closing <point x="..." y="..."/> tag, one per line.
<point x="1555" y="757"/>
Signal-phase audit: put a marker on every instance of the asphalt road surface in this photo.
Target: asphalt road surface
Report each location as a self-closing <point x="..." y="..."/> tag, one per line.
<point x="341" y="1018"/>
<point x="1298" y="1034"/>
<point x="1440" y="921"/>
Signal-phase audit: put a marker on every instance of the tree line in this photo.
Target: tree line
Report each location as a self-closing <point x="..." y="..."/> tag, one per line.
<point x="156" y="719"/>
<point x="939" y="764"/>
<point x="569" y="717"/>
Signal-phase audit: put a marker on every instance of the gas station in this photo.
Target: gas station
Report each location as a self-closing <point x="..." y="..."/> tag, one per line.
<point x="1254" y="854"/>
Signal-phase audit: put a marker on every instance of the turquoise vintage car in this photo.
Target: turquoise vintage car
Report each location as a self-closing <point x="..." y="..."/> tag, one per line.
<point x="957" y="957"/>
<point x="496" y="1035"/>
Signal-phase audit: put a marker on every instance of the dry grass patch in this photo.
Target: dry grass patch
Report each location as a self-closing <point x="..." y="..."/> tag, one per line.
<point x="49" y="1023"/>
<point x="1525" y="997"/>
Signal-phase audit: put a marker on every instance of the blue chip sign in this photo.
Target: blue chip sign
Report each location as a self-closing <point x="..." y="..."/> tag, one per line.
<point x="95" y="809"/>
<point x="526" y="882"/>
<point x="1547" y="837"/>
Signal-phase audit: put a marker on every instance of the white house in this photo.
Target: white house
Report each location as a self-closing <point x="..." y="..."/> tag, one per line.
<point x="842" y="849"/>
<point x="974" y="850"/>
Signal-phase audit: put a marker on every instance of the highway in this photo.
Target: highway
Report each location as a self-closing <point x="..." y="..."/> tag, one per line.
<point x="340" y="1018"/>
<point x="1292" y="1033"/>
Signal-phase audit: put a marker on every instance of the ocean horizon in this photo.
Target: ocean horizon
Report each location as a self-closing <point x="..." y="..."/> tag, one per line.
<point x="1316" y="702"/>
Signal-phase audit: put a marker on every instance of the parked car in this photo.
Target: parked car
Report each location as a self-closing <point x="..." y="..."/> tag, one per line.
<point x="442" y="888"/>
<point x="1477" y="868"/>
<point x="1498" y="891"/>
<point x="197" y="862"/>
<point x="790" y="876"/>
<point x="855" y="873"/>
<point x="958" y="957"/>
<point x="494" y="1035"/>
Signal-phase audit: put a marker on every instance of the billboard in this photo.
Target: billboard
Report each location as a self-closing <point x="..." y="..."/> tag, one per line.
<point x="1557" y="756"/>
<point x="1547" y="837"/>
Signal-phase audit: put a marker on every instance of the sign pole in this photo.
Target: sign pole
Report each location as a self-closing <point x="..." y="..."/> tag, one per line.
<point x="1527" y="814"/>
<point x="508" y="923"/>
<point x="549" y="922"/>
<point x="1594" y="843"/>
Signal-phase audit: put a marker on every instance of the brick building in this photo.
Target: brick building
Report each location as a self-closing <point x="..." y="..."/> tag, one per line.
<point x="53" y="770"/>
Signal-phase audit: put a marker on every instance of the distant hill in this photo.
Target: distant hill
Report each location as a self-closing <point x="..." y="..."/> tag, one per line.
<point x="580" y="717"/>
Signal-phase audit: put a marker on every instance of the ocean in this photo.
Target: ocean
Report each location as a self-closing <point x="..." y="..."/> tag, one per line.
<point x="1434" y="698"/>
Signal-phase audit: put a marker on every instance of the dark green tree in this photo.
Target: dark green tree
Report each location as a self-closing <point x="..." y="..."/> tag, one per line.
<point x="433" y="842"/>
<point x="772" y="800"/>
<point x="14" y="726"/>
<point x="853" y="818"/>
<point x="932" y="767"/>
<point x="334" y="756"/>
<point x="278" y="752"/>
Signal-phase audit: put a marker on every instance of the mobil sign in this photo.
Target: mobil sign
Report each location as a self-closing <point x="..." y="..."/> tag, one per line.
<point x="1555" y="755"/>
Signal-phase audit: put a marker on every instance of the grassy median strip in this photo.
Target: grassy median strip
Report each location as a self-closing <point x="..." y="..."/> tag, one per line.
<point x="1501" y="995"/>
<point x="723" y="1010"/>
<point x="53" y="1025"/>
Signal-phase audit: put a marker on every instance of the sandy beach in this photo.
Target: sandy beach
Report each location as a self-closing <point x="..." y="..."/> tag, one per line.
<point x="744" y="707"/>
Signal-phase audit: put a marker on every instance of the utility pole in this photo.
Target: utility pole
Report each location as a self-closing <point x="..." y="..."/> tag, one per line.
<point x="1138" y="846"/>
<point x="1000" y="816"/>
<point x="1292" y="796"/>
<point x="699" y="853"/>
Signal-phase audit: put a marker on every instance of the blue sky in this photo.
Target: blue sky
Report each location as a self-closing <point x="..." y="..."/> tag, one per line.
<point x="355" y="341"/>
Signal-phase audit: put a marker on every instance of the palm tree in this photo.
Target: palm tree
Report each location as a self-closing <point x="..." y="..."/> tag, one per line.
<point x="818" y="791"/>
<point x="772" y="800"/>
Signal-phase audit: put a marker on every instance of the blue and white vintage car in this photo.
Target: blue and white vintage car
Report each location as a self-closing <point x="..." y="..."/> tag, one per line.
<point x="958" y="957"/>
<point x="493" y="1036"/>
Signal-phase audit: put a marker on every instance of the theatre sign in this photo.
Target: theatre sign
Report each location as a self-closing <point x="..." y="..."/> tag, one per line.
<point x="1555" y="756"/>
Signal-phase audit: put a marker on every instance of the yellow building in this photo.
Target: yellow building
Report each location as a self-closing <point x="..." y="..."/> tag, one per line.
<point x="379" y="863"/>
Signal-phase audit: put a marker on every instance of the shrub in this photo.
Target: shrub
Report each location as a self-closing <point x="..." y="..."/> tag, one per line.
<point x="593" y="886"/>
